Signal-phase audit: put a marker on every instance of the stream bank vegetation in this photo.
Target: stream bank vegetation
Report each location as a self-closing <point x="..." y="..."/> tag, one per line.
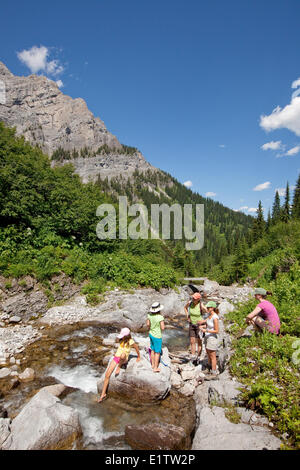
<point x="267" y="365"/>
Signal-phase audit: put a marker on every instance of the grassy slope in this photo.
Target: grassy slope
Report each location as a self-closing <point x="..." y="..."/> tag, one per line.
<point x="267" y="364"/>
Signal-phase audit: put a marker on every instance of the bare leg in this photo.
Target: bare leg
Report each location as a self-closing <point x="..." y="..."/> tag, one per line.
<point x="123" y="359"/>
<point x="199" y="347"/>
<point x="106" y="380"/>
<point x="213" y="359"/>
<point x="152" y="359"/>
<point x="193" y="345"/>
<point x="208" y="357"/>
<point x="156" y="362"/>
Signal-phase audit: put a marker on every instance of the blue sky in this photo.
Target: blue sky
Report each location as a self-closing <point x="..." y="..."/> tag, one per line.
<point x="187" y="82"/>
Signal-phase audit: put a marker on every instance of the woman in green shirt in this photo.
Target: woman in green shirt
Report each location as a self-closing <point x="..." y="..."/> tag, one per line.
<point x="194" y="310"/>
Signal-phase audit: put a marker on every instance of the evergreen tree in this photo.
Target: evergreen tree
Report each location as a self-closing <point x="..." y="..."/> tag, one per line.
<point x="259" y="224"/>
<point x="240" y="262"/>
<point x="276" y="209"/>
<point x="296" y="201"/>
<point x="269" y="221"/>
<point x="286" y="211"/>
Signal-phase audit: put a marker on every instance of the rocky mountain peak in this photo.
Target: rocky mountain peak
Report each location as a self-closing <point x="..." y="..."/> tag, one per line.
<point x="47" y="117"/>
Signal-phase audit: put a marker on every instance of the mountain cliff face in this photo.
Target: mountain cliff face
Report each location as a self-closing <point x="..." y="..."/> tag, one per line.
<point x="48" y="118"/>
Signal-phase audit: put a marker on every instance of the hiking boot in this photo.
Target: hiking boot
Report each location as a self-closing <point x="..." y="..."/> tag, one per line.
<point x="211" y="376"/>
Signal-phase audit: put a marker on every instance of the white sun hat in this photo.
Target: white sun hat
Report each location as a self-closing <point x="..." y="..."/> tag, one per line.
<point x="156" y="307"/>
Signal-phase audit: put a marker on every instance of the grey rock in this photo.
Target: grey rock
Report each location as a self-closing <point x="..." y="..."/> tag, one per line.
<point x="215" y="432"/>
<point x="27" y="376"/>
<point x="132" y="314"/>
<point x="5" y="373"/>
<point x="176" y="380"/>
<point x="15" y="319"/>
<point x="188" y="374"/>
<point x="56" y="390"/>
<point x="44" y="424"/>
<point x="156" y="436"/>
<point x="47" y="117"/>
<point x="210" y="287"/>
<point x="224" y="390"/>
<point x="225" y="307"/>
<point x="188" y="389"/>
<point x="4" y="430"/>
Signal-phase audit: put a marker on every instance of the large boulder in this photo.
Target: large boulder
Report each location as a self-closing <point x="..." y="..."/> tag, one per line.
<point x="224" y="390"/>
<point x="138" y="382"/>
<point x="225" y="307"/>
<point x="44" y="424"/>
<point x="210" y="287"/>
<point x="215" y="432"/>
<point x="119" y="308"/>
<point x="157" y="436"/>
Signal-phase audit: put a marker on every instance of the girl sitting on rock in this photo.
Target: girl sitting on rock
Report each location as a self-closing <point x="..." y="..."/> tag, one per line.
<point x="120" y="358"/>
<point x="211" y="330"/>
<point x="155" y="323"/>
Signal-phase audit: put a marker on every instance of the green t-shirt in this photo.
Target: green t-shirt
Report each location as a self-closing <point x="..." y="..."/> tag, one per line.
<point x="155" y="329"/>
<point x="195" y="313"/>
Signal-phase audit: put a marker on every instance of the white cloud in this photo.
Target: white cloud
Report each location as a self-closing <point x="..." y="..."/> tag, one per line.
<point x="210" y="194"/>
<point x="54" y="68"/>
<point x="272" y="145"/>
<point x="296" y="83"/>
<point x="286" y="118"/>
<point x="243" y="208"/>
<point x="262" y="186"/>
<point x="188" y="184"/>
<point x="59" y="83"/>
<point x="222" y="146"/>
<point x="252" y="209"/>
<point x="293" y="151"/>
<point x="36" y="59"/>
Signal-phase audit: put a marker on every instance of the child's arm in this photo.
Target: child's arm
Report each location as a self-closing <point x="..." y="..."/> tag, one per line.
<point x="135" y="346"/>
<point x="162" y="325"/>
<point x="148" y="324"/>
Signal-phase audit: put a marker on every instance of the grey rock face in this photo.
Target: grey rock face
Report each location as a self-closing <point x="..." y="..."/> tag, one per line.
<point x="50" y="119"/>
<point x="215" y="432"/>
<point x="43" y="424"/>
<point x="224" y="390"/>
<point x="107" y="166"/>
<point x="45" y="116"/>
<point x="139" y="382"/>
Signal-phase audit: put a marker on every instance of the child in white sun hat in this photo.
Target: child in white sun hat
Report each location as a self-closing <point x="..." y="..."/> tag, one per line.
<point x="155" y="323"/>
<point x="120" y="358"/>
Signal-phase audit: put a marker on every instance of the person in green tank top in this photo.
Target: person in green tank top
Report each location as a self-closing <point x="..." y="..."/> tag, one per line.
<point x="194" y="310"/>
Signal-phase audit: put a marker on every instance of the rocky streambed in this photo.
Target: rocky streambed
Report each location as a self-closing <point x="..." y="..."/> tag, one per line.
<point x="51" y="367"/>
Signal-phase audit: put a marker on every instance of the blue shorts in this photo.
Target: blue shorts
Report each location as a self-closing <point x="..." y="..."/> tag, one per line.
<point x="155" y="344"/>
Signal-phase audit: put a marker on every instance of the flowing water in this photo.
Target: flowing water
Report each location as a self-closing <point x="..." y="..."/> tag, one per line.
<point x="73" y="356"/>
